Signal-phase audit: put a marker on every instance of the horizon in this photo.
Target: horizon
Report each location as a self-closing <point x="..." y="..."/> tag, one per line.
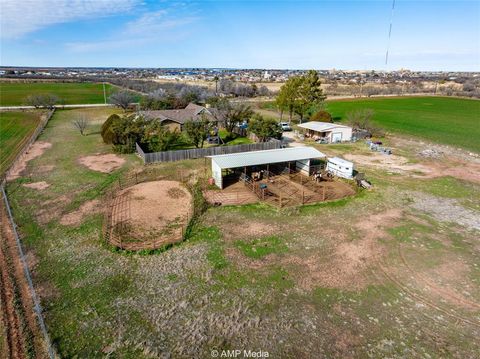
<point x="229" y="68"/>
<point x="346" y="35"/>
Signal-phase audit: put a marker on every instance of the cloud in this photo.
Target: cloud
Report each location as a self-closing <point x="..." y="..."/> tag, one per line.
<point x="148" y="28"/>
<point x="20" y="17"/>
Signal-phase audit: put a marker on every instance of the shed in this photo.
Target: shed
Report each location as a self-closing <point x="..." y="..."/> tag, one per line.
<point x="340" y="167"/>
<point x="331" y="132"/>
<point x="301" y="156"/>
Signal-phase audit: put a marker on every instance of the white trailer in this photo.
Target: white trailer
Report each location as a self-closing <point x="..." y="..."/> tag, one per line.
<point x="340" y="167"/>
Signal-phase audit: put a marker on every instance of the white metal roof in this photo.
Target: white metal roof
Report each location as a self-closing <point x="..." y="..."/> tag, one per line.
<point x="321" y="126"/>
<point x="254" y="158"/>
<point x="341" y="162"/>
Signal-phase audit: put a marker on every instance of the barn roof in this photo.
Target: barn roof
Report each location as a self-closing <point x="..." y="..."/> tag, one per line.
<point x="254" y="158"/>
<point x="320" y="126"/>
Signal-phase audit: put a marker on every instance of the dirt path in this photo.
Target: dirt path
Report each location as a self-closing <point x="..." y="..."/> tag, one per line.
<point x="23" y="339"/>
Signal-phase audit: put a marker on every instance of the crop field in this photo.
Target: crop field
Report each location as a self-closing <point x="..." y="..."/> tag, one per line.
<point x="392" y="272"/>
<point x="15" y="130"/>
<point x="451" y="121"/>
<point x="15" y="93"/>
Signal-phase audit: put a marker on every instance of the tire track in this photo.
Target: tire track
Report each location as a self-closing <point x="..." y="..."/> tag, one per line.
<point x="422" y="299"/>
<point x="434" y="287"/>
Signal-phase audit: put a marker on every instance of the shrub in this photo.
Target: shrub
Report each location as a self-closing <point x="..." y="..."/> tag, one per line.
<point x="321" y="116"/>
<point x="106" y="130"/>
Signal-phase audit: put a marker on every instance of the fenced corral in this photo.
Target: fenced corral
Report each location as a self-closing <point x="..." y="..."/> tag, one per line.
<point x="25" y="145"/>
<point x="281" y="187"/>
<point x="179" y="155"/>
<point x="119" y="228"/>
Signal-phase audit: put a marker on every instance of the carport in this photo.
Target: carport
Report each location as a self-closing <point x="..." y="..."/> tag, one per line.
<point x="298" y="158"/>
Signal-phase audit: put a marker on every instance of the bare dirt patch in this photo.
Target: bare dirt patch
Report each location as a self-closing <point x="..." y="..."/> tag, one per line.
<point x="392" y="163"/>
<point x="52" y="209"/>
<point x="347" y="265"/>
<point x="37" y="185"/>
<point x="154" y="217"/>
<point x="102" y="163"/>
<point x="35" y="150"/>
<point x="75" y="218"/>
<point x="428" y="168"/>
<point x="253" y="229"/>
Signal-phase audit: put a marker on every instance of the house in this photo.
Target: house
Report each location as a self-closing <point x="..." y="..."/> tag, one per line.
<point x="329" y="132"/>
<point x="300" y="159"/>
<point x="340" y="167"/>
<point x="175" y="119"/>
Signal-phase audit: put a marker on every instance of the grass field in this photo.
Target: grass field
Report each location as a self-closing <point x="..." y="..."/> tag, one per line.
<point x="382" y="274"/>
<point x="451" y="121"/>
<point x="14" y="93"/>
<point x="15" y="130"/>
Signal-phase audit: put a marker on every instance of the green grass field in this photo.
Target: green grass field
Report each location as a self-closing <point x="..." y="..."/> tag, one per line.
<point x="451" y="121"/>
<point x="15" y="130"/>
<point x="14" y="93"/>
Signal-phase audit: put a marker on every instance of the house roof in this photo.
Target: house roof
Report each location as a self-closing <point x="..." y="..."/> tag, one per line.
<point x="254" y="158"/>
<point x="321" y="126"/>
<point x="191" y="112"/>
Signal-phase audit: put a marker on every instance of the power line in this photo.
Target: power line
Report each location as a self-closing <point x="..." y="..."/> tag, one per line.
<point x="389" y="33"/>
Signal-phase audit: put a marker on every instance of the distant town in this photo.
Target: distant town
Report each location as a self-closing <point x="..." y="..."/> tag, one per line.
<point x="243" y="75"/>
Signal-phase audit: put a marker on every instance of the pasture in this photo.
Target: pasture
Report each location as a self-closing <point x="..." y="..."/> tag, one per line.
<point x="391" y="272"/>
<point x="445" y="120"/>
<point x="72" y="93"/>
<point x="451" y="121"/>
<point x="16" y="128"/>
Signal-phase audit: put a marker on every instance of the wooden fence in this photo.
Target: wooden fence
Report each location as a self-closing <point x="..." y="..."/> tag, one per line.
<point x="179" y="155"/>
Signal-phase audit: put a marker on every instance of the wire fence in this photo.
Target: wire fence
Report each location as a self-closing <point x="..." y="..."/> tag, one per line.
<point x="36" y="301"/>
<point x="179" y="155"/>
<point x="26" y="145"/>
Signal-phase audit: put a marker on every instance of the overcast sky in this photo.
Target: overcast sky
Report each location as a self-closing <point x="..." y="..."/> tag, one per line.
<point x="426" y="35"/>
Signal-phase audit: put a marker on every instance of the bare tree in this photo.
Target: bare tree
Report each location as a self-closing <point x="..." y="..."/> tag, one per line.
<point x="81" y="124"/>
<point x="122" y="99"/>
<point x="42" y="100"/>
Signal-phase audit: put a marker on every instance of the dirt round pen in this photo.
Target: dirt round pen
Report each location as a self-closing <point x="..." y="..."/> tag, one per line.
<point x="144" y="213"/>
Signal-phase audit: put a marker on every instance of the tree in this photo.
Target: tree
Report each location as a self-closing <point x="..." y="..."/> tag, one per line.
<point x="106" y="131"/>
<point x="122" y="99"/>
<point x="287" y="96"/>
<point x="42" y="100"/>
<point x="216" y="84"/>
<point x="362" y="120"/>
<point x="231" y="114"/>
<point x="197" y="131"/>
<point x="265" y="128"/>
<point x="310" y="95"/>
<point x="158" y="138"/>
<point x="322" y="116"/>
<point x="81" y="124"/>
<point x="301" y="94"/>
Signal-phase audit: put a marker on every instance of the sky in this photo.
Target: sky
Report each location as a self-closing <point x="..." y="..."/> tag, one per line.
<point x="352" y="35"/>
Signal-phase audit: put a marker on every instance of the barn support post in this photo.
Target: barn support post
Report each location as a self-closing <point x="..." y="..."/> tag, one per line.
<point x="324" y="192"/>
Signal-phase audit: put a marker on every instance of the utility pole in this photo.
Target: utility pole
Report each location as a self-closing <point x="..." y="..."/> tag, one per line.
<point x="104" y="94"/>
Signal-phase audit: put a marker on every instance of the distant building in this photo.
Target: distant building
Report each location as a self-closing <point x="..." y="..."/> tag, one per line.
<point x="330" y="132"/>
<point x="175" y="119"/>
